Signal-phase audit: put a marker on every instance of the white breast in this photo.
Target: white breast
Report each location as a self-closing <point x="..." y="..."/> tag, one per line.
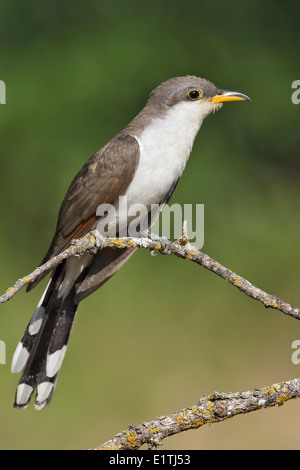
<point x="165" y="146"/>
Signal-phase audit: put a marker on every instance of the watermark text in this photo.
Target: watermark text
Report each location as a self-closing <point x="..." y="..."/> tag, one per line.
<point x="2" y="352"/>
<point x="296" y="94"/>
<point x="2" y="92"/>
<point x="135" y="220"/>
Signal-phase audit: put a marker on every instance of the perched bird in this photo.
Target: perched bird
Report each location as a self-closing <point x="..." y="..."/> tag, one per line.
<point x="143" y="162"/>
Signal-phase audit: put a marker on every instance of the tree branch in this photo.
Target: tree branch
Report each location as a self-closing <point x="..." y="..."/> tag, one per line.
<point x="180" y="248"/>
<point x="210" y="409"/>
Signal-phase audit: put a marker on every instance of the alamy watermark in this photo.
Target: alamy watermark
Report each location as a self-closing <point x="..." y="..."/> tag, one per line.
<point x="296" y="94"/>
<point x="2" y="352"/>
<point x="296" y="354"/>
<point x="136" y="220"/>
<point x="2" y="92"/>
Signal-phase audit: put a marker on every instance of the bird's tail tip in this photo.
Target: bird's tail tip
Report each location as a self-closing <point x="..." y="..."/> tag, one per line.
<point x="44" y="393"/>
<point x="41" y="350"/>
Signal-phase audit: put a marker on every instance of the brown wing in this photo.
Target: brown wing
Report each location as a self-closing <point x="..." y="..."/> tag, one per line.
<point x="103" y="178"/>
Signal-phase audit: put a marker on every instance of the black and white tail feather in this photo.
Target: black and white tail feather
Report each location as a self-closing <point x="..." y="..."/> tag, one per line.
<point x="43" y="345"/>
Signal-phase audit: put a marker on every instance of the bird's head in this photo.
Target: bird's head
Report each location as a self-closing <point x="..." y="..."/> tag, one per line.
<point x="191" y="94"/>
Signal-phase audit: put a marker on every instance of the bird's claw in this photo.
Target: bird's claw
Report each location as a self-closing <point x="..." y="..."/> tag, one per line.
<point x="99" y="240"/>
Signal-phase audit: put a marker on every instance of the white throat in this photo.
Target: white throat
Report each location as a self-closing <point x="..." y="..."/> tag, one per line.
<point x="165" y="146"/>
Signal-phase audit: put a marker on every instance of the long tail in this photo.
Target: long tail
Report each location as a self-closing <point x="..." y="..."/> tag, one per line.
<point x="43" y="345"/>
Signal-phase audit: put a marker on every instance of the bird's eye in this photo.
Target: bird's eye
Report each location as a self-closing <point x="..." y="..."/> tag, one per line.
<point x="194" y="95"/>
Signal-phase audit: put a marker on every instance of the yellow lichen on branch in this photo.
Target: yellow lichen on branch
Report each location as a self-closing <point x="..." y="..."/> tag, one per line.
<point x="210" y="409"/>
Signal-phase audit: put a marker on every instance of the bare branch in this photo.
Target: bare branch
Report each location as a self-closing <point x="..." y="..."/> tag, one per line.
<point x="210" y="409"/>
<point x="77" y="248"/>
<point x="180" y="248"/>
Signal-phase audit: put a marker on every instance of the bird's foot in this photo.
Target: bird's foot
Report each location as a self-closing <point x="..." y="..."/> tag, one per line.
<point x="99" y="240"/>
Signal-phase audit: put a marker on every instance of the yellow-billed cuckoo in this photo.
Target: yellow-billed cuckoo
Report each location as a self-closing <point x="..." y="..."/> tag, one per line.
<point x="143" y="162"/>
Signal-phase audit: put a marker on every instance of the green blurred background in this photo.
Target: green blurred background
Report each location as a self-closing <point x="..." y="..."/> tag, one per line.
<point x="163" y="331"/>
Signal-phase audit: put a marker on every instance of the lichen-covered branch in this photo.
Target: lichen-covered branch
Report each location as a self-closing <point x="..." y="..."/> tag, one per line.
<point x="180" y="248"/>
<point x="210" y="409"/>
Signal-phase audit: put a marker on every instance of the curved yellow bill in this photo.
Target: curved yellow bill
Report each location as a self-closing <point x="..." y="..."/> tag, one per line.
<point x="226" y="95"/>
